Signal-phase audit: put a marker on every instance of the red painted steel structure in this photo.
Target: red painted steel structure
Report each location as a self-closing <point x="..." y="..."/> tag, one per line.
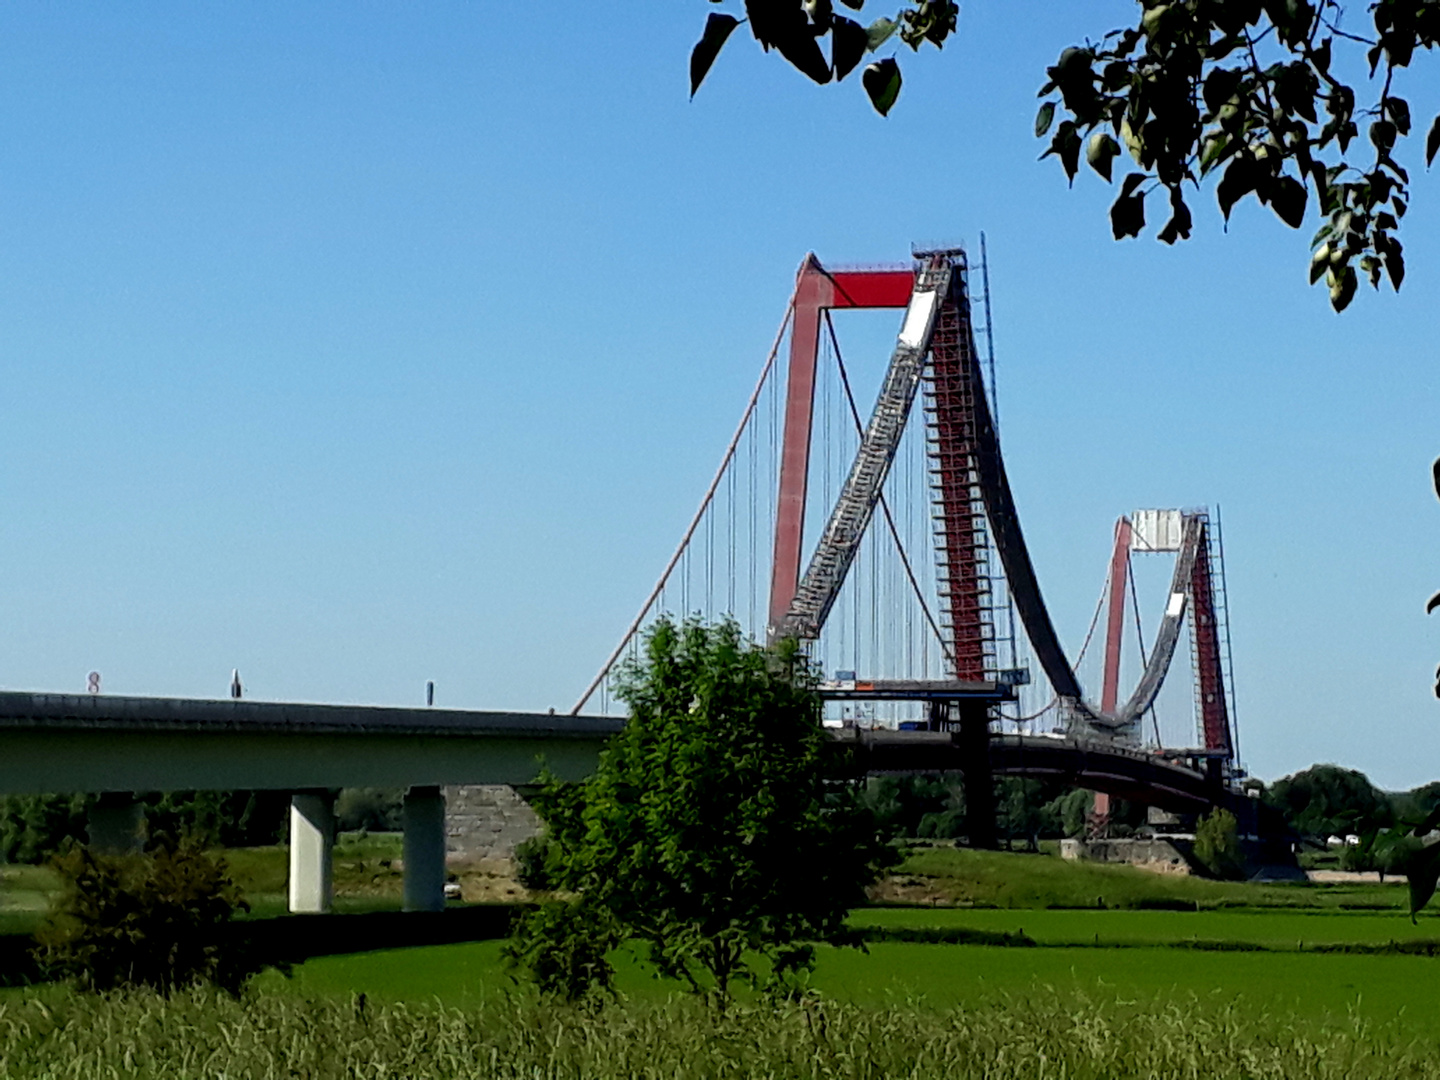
<point x="1214" y="712"/>
<point x="1115" y="616"/>
<point x="816" y="290"/>
<point x="953" y="383"/>
<point x="964" y="587"/>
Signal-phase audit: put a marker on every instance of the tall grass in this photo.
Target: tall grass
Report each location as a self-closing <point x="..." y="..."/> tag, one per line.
<point x="266" y="1036"/>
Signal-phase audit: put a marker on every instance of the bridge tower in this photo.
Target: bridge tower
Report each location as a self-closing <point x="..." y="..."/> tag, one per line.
<point x="983" y="577"/>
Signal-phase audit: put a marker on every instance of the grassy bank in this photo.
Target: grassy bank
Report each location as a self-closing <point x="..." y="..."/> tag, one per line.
<point x="960" y="876"/>
<point x="271" y="1036"/>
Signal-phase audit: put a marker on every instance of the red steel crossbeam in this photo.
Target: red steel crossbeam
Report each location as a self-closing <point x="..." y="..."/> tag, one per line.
<point x="1214" y="714"/>
<point x="816" y="290"/>
<point x="1115" y="621"/>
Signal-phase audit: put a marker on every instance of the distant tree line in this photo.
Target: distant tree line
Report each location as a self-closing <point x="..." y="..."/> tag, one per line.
<point x="35" y="827"/>
<point x="1327" y="800"/>
<point x="1319" y="802"/>
<point x="1027" y="811"/>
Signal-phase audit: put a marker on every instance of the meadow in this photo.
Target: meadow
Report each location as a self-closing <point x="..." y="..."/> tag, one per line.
<point x="1018" y="965"/>
<point x="1321" y="953"/>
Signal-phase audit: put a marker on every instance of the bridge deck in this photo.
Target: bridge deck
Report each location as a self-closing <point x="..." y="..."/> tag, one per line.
<point x="1114" y="769"/>
<point x="98" y="743"/>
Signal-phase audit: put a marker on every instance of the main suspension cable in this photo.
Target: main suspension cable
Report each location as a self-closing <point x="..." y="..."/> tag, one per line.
<point x="699" y="514"/>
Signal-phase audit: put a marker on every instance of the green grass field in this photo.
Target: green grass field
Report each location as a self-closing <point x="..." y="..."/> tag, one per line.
<point x="1278" y="929"/>
<point x="1134" y="949"/>
<point x="1138" y="948"/>
<point x="1317" y="987"/>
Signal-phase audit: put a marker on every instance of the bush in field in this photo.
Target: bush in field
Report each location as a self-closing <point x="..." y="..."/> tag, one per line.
<point x="1025" y="811"/>
<point x="927" y="806"/>
<point x="717" y="829"/>
<point x="160" y="920"/>
<point x="1217" y="845"/>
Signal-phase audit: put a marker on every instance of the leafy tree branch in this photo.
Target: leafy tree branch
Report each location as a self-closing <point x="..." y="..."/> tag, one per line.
<point x="1250" y="97"/>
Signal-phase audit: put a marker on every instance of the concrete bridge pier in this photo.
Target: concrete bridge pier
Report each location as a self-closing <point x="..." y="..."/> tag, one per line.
<point x="968" y="722"/>
<point x="116" y="824"/>
<point x="312" y="842"/>
<point x="423" y="815"/>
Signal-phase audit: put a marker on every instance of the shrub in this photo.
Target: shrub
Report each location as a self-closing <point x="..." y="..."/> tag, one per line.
<point x="1217" y="845"/>
<point x="160" y="920"/>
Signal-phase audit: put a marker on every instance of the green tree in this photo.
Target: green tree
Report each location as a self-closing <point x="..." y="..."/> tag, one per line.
<point x="216" y="818"/>
<point x="1251" y="97"/>
<point x="718" y="830"/>
<point x="921" y="805"/>
<point x="1026" y="812"/>
<point x="34" y="827"/>
<point x="1324" y="800"/>
<point x="1217" y="845"/>
<point x="1072" y="810"/>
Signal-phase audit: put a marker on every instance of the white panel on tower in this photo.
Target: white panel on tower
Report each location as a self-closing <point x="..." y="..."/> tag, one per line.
<point x="1155" y="530"/>
<point x="915" y="331"/>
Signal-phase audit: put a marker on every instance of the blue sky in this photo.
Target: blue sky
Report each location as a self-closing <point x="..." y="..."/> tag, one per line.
<point x="362" y="344"/>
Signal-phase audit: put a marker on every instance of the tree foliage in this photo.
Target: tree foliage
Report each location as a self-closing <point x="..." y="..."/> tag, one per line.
<point x="1217" y="845"/>
<point x="716" y="830"/>
<point x="1251" y="97"/>
<point x="1326" y="800"/>
<point x="799" y="29"/>
<point x="35" y="827"/>
<point x="928" y="806"/>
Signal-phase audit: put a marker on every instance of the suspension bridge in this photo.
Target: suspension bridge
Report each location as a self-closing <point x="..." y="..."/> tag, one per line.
<point x="915" y="596"/>
<point x="912" y="587"/>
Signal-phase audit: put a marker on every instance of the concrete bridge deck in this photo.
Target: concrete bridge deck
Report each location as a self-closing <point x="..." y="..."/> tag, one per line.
<point x="1116" y="770"/>
<point x="118" y="746"/>
<point x="102" y="743"/>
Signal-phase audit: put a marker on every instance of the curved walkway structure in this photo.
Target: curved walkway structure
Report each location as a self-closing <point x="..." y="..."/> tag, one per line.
<point x="1179" y="785"/>
<point x="117" y="746"/>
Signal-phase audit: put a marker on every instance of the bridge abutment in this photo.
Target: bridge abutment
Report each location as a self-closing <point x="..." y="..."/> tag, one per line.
<point x="312" y="842"/>
<point x="423" y="816"/>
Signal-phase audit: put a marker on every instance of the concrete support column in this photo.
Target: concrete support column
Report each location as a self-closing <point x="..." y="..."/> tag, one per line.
<point x="424" y="821"/>
<point x="312" y="838"/>
<point x="116" y="824"/>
